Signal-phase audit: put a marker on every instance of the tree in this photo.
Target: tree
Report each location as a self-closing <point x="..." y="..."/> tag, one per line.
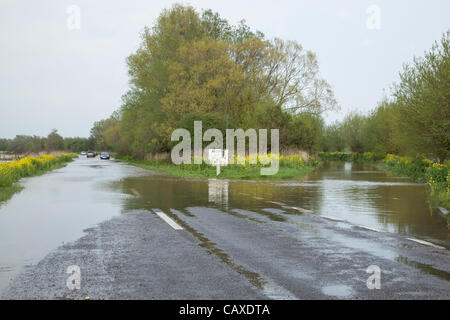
<point x="291" y="77"/>
<point x="382" y="131"/>
<point x="37" y="144"/>
<point x="97" y="139"/>
<point x="332" y="138"/>
<point x="55" y="141"/>
<point x="76" y="144"/>
<point x="20" y="144"/>
<point x="423" y="95"/>
<point x="205" y="80"/>
<point x="353" y="131"/>
<point x="4" y="144"/>
<point x="199" y="64"/>
<point x="305" y="131"/>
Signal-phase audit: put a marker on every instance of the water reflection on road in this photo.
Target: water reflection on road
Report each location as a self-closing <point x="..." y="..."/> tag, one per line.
<point x="358" y="194"/>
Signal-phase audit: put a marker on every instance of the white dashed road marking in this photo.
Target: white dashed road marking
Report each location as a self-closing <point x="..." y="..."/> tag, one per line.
<point x="332" y="218"/>
<point x="426" y="243"/>
<point x="169" y="221"/>
<point x="278" y="203"/>
<point x="369" y="228"/>
<point x="302" y="210"/>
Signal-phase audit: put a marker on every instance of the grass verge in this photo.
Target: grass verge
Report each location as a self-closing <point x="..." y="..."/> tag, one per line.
<point x="247" y="172"/>
<point x="7" y="192"/>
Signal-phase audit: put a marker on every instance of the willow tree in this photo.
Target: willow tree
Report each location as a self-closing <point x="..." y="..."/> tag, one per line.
<point x="423" y="94"/>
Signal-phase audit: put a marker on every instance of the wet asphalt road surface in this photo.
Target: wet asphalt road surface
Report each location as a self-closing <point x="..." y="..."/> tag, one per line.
<point x="134" y="238"/>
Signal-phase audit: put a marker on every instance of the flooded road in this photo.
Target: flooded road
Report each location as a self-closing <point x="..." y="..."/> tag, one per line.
<point x="56" y="208"/>
<point x="279" y="239"/>
<point x="358" y="194"/>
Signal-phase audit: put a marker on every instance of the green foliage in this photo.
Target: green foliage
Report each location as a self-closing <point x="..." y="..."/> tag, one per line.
<point x="332" y="138"/>
<point x="411" y="167"/>
<point x="353" y="132"/>
<point x="368" y="157"/>
<point x="423" y="96"/>
<point x="5" y="144"/>
<point x="103" y="134"/>
<point x="23" y="144"/>
<point x="55" y="141"/>
<point x="76" y="144"/>
<point x="351" y="157"/>
<point x="415" y="120"/>
<point x="436" y="175"/>
<point x="438" y="179"/>
<point x="192" y="65"/>
<point x="7" y="192"/>
<point x="304" y="132"/>
<point x="11" y="172"/>
<point x="20" y="144"/>
<point x="291" y="167"/>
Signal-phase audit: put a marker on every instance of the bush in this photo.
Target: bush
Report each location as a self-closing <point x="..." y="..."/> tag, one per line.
<point x="11" y="172"/>
<point x="356" y="157"/>
<point x="411" y="167"/>
<point x="438" y="176"/>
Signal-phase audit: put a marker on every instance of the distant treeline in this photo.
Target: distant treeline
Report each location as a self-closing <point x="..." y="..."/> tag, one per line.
<point x="414" y="120"/>
<point x="23" y="144"/>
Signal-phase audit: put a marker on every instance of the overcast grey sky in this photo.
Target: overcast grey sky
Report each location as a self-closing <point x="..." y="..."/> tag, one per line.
<point x="54" y="77"/>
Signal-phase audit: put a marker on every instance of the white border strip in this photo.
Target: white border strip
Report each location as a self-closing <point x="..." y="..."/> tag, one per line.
<point x="169" y="221"/>
<point x="332" y="218"/>
<point x="426" y="243"/>
<point x="302" y="210"/>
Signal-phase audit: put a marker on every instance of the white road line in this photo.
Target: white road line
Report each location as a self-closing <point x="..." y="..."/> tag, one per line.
<point x="277" y="203"/>
<point x="426" y="243"/>
<point x="302" y="210"/>
<point x="169" y="221"/>
<point x="332" y="218"/>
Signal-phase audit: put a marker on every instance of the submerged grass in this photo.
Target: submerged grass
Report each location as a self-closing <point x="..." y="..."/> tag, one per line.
<point x="7" y="192"/>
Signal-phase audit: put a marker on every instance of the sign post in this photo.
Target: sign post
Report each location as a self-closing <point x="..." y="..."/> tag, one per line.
<point x="217" y="158"/>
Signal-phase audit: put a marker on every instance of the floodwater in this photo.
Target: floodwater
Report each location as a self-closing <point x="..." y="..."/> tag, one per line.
<point x="358" y="194"/>
<point x="56" y="207"/>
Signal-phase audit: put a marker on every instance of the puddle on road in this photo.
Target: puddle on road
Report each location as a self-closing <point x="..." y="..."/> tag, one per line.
<point x="338" y="291"/>
<point x="424" y="268"/>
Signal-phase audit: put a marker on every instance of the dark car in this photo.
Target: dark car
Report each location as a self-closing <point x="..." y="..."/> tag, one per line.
<point x="90" y="154"/>
<point x="104" y="156"/>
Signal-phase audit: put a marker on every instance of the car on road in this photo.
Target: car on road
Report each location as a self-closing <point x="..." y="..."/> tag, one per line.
<point x="83" y="153"/>
<point x="90" y="154"/>
<point x="104" y="156"/>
